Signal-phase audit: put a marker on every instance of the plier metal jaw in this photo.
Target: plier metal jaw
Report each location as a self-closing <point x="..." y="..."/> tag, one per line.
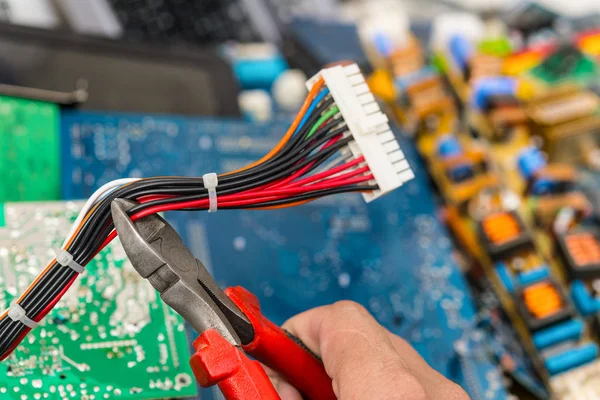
<point x="229" y="322"/>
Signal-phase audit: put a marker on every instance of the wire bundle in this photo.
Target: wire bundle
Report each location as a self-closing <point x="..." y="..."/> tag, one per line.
<point x="312" y="160"/>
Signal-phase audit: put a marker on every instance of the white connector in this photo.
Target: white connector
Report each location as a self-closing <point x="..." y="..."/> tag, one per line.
<point x="369" y="127"/>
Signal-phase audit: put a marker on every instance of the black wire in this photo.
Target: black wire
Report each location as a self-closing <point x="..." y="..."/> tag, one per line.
<point x="102" y="217"/>
<point x="263" y="178"/>
<point x="10" y="335"/>
<point x="63" y="277"/>
<point x="297" y="153"/>
<point x="290" y="146"/>
<point x="83" y="246"/>
<point x="101" y="232"/>
<point x="10" y="332"/>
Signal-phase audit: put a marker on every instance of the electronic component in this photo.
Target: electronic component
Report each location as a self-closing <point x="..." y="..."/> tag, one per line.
<point x="585" y="296"/>
<point x="428" y="99"/>
<point x="256" y="105"/>
<point x="504" y="119"/>
<point x="461" y="50"/>
<point x="544" y="179"/>
<point x="447" y="27"/>
<point x="110" y="336"/>
<point x="521" y="270"/>
<point x="546" y="208"/>
<point x="383" y="28"/>
<point x="484" y="66"/>
<point x="458" y="166"/>
<point x="568" y="121"/>
<point x="419" y="87"/>
<point x="289" y="90"/>
<point x="368" y="126"/>
<point x="542" y="304"/>
<point x="566" y="62"/>
<point x="570" y="330"/>
<point x="26" y="173"/>
<point x="570" y="358"/>
<point x="256" y="65"/>
<point x="503" y="233"/>
<point x="490" y="91"/>
<point x="580" y="253"/>
<point x="530" y="161"/>
<point x="408" y="64"/>
<point x="505" y="98"/>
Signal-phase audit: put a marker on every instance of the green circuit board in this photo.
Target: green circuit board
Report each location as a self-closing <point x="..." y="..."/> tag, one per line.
<point x="110" y="337"/>
<point x="29" y="150"/>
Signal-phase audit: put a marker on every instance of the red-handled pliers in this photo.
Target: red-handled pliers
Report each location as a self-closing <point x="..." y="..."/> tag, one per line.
<point x="229" y="322"/>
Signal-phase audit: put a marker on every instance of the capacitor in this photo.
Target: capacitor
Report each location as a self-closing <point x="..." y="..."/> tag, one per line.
<point x="449" y="146"/>
<point x="485" y="89"/>
<point x="289" y="90"/>
<point x="256" y="105"/>
<point x="568" y="330"/>
<point x="461" y="50"/>
<point x="530" y="160"/>
<point x="571" y="358"/>
<point x="255" y="65"/>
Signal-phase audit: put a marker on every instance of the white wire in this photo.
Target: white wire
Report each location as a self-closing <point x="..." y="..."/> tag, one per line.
<point x="98" y="194"/>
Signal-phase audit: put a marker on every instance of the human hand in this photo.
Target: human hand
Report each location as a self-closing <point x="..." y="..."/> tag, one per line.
<point x="363" y="359"/>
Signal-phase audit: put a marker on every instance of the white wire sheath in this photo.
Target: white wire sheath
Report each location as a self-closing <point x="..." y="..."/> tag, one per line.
<point x="98" y="194"/>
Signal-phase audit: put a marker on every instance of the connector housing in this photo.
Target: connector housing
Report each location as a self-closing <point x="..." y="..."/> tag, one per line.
<point x="369" y="127"/>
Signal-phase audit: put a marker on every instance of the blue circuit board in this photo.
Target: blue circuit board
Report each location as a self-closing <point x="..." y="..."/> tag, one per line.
<point x="392" y="255"/>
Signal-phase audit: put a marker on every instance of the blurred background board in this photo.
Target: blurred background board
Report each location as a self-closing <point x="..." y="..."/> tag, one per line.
<point x="29" y="150"/>
<point x="110" y="336"/>
<point x="393" y="255"/>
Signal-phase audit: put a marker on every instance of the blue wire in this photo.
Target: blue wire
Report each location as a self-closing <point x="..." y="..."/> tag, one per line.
<point x="311" y="108"/>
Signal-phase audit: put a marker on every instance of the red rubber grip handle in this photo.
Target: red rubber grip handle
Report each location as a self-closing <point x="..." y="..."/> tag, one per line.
<point x="274" y="348"/>
<point x="218" y="362"/>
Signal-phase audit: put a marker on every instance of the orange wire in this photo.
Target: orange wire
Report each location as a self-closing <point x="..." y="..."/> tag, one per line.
<point x="291" y="130"/>
<point x="45" y="270"/>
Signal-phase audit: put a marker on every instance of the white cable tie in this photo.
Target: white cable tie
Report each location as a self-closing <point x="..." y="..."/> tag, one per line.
<point x="17" y="313"/>
<point x="211" y="181"/>
<point x="65" y="259"/>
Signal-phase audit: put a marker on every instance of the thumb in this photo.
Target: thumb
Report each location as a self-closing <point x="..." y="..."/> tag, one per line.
<point x="357" y="353"/>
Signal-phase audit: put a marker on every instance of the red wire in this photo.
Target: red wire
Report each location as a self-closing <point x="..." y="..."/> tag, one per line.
<point x="15" y="343"/>
<point x="152" y="197"/>
<point x="41" y="316"/>
<point x="274" y="191"/>
<point x="330" y="172"/>
<point x="303" y="170"/>
<point x="281" y="189"/>
<point x="241" y="199"/>
<point x="358" y="171"/>
<point x="302" y="186"/>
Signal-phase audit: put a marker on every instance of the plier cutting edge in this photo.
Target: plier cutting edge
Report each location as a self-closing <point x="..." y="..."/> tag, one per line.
<point x="229" y="322"/>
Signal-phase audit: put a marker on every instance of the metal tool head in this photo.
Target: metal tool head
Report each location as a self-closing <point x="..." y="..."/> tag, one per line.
<point x="157" y="252"/>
